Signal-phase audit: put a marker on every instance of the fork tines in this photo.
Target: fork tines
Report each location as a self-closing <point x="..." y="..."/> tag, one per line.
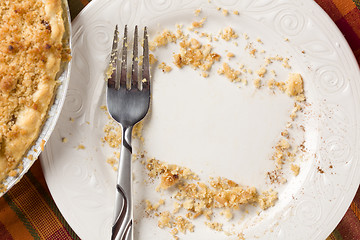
<point x="119" y="78"/>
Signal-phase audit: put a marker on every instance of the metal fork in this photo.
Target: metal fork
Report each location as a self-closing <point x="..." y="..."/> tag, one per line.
<point x="128" y="102"/>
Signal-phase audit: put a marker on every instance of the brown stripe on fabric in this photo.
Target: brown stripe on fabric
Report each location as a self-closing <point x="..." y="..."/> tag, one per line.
<point x="330" y="8"/>
<point x="76" y="7"/>
<point x="357" y="197"/>
<point x="84" y="2"/>
<point x="35" y="209"/>
<point x="353" y="18"/>
<point x="349" y="227"/>
<point x="348" y="32"/>
<point x="4" y="233"/>
<point x="357" y="55"/>
<point x="37" y="172"/>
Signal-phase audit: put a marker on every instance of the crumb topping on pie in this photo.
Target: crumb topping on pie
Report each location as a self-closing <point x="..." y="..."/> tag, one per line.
<point x="31" y="48"/>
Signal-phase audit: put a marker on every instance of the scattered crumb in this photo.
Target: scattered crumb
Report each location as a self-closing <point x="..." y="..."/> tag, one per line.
<point x="42" y="145"/>
<point x="165" y="220"/>
<point x="295" y="169"/>
<point x="197" y="12"/>
<point x="257" y="83"/>
<point x="165" y="68"/>
<point x="113" y="163"/>
<point x="228" y="33"/>
<point x="198" y="24"/>
<point x="80" y="146"/>
<point x="294" y="85"/>
<point x="230" y="55"/>
<point x="215" y="226"/>
<point x="267" y="199"/>
<point x="193" y="53"/>
<point x="320" y="170"/>
<point x="227" y="213"/>
<point x="286" y="63"/>
<point x="13" y="173"/>
<point x="231" y="74"/>
<point x="261" y="72"/>
<point x="163" y="39"/>
<point x="152" y="59"/>
<point x="271" y="83"/>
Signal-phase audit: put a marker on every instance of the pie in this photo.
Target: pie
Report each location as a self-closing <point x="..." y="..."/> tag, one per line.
<point x="31" y="50"/>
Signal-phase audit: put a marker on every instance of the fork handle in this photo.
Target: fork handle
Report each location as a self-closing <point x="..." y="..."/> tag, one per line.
<point x="123" y="220"/>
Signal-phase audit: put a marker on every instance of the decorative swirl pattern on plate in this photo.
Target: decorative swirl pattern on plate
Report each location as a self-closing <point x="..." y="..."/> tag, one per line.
<point x="318" y="49"/>
<point x="336" y="149"/>
<point x="227" y="3"/>
<point x="289" y="22"/>
<point x="336" y="119"/>
<point x="258" y="5"/>
<point x="308" y="212"/>
<point x="76" y="173"/>
<point x="324" y="185"/>
<point x="329" y="79"/>
<point x="99" y="36"/>
<point x="159" y="5"/>
<point x="73" y="103"/>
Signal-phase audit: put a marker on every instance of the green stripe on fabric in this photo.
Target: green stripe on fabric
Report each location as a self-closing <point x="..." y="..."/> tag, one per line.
<point x="50" y="202"/>
<point x="357" y="3"/>
<point x="337" y="235"/>
<point x="21" y="216"/>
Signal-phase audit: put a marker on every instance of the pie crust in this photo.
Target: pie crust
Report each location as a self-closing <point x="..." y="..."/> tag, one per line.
<point x="31" y="50"/>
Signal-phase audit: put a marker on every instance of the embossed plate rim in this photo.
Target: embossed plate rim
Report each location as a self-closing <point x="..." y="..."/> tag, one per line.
<point x="353" y="184"/>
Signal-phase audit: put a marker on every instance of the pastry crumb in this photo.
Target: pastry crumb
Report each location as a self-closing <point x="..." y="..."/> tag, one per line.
<point x="228" y="34"/>
<point x="80" y="146"/>
<point x="261" y="72"/>
<point x="215" y="226"/>
<point x="257" y="83"/>
<point x="294" y="85"/>
<point x="295" y="169"/>
<point x="165" y="68"/>
<point x="197" y="12"/>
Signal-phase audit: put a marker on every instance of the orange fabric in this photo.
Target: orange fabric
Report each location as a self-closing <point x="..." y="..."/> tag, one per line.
<point x="11" y="224"/>
<point x="344" y="6"/>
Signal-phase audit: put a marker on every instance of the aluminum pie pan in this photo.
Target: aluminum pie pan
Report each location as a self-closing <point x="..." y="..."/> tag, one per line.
<point x="63" y="78"/>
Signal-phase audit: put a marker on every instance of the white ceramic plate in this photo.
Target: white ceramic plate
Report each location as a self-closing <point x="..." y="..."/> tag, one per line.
<point x="53" y="113"/>
<point x="212" y="126"/>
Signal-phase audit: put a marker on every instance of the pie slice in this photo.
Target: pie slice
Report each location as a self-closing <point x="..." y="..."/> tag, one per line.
<point x="31" y="50"/>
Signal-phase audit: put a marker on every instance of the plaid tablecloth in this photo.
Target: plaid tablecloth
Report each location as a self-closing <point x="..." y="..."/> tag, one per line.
<point x="28" y="211"/>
